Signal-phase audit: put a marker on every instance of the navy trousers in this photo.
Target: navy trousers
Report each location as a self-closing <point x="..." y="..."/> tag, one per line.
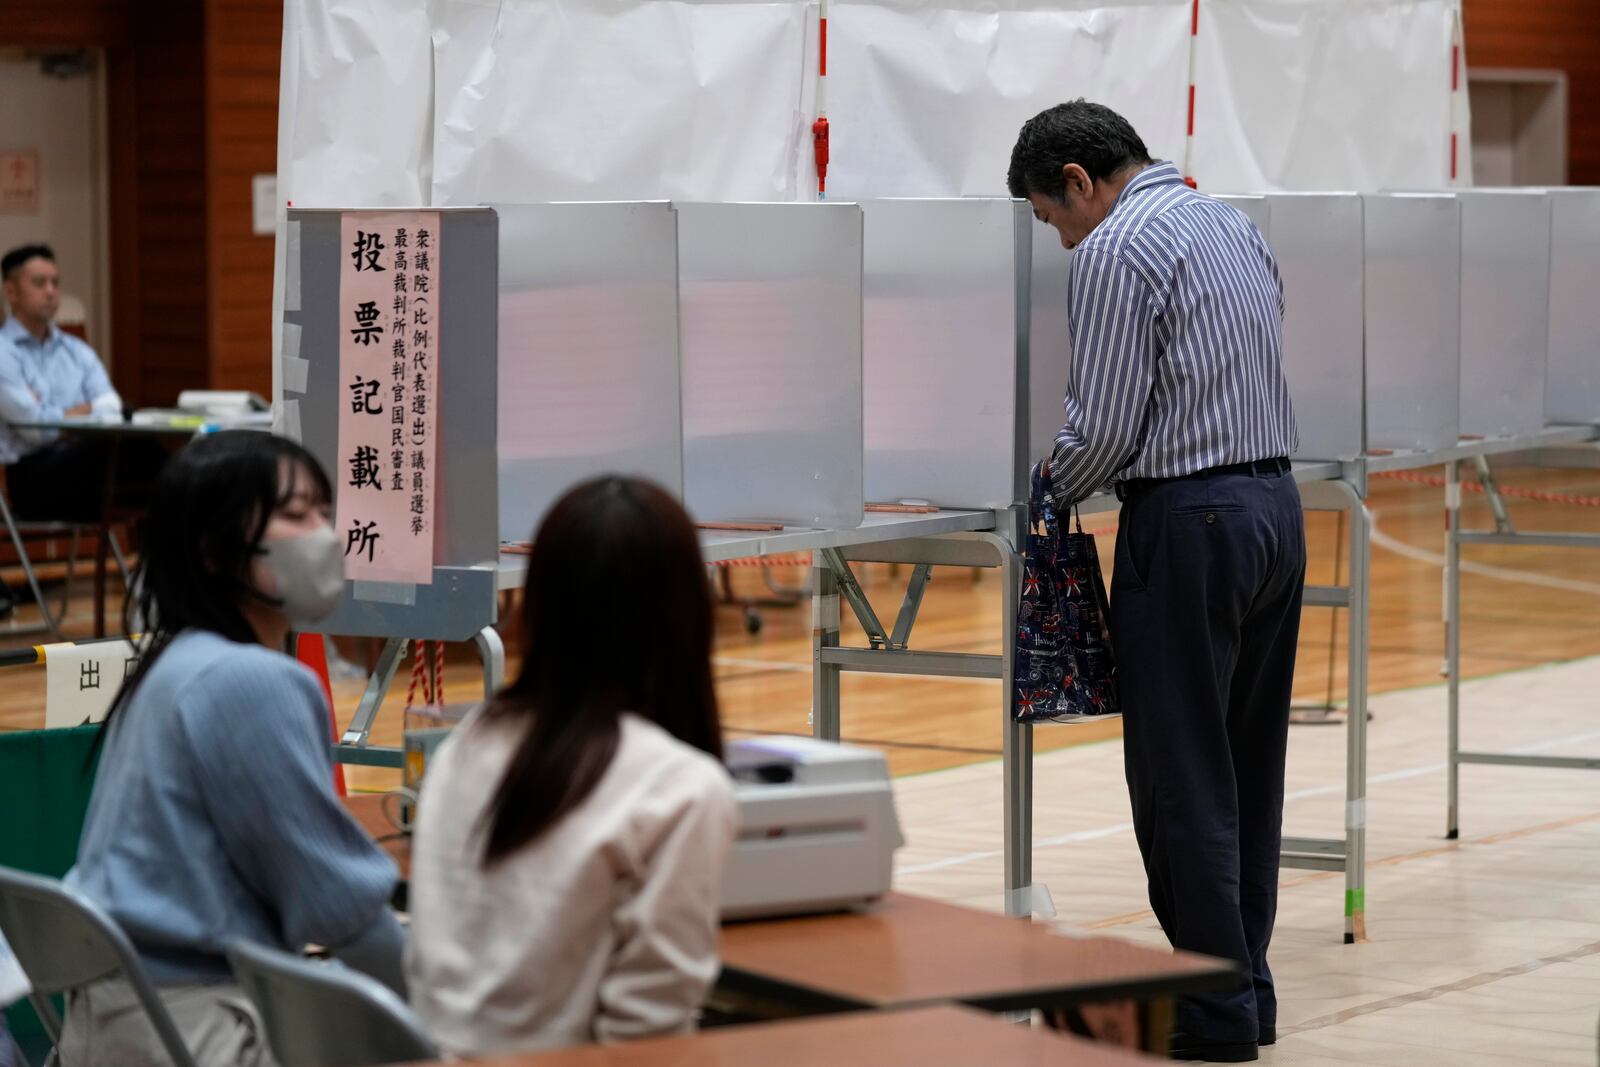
<point x="1205" y="616"/>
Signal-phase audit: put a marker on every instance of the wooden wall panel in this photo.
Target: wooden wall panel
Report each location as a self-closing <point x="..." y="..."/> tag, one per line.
<point x="1558" y="34"/>
<point x="66" y="23"/>
<point x="157" y="128"/>
<point x="243" y="39"/>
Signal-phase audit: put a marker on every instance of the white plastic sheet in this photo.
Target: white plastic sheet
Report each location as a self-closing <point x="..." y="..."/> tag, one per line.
<point x="355" y="120"/>
<point x="1323" y="94"/>
<point x="925" y="98"/>
<point x="355" y="113"/>
<point x="392" y="102"/>
<point x="618" y="100"/>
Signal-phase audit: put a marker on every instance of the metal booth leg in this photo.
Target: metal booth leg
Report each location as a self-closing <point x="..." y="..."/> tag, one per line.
<point x="1452" y="648"/>
<point x="492" y="651"/>
<point x="1349" y="854"/>
<point x="1017" y="748"/>
<point x="360" y="730"/>
<point x="1355" y="827"/>
<point x="824" y="634"/>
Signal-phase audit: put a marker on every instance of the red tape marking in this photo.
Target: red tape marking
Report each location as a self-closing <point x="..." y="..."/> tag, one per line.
<point x="824" y="48"/>
<point x="1541" y="495"/>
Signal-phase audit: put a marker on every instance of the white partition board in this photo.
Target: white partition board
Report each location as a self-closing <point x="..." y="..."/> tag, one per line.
<point x="589" y="379"/>
<point x="1573" y="368"/>
<point x="1317" y="241"/>
<point x="1049" y="341"/>
<point x="1413" y="316"/>
<point x="770" y="315"/>
<point x="944" y="284"/>
<point x="1505" y="304"/>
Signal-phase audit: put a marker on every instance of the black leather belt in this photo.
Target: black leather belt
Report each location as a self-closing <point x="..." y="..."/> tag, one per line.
<point x="1257" y="468"/>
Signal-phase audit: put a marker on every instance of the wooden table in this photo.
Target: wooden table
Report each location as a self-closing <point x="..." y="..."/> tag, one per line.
<point x="177" y="429"/>
<point x="909" y="951"/>
<point x="929" y="1037"/>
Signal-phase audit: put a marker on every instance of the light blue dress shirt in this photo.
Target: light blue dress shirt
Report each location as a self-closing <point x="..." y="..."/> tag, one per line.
<point x="41" y="380"/>
<point x="213" y="817"/>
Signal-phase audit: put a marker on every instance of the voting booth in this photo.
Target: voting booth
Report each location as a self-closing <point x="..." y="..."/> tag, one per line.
<point x="1573" y="367"/>
<point x="396" y="399"/>
<point x="946" y="351"/>
<point x="589" y="370"/>
<point x="1413" y="320"/>
<point x="771" y="327"/>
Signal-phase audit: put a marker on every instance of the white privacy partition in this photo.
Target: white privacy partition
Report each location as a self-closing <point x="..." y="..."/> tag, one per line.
<point x="588" y="351"/>
<point x="1316" y="239"/>
<point x="1049" y="341"/>
<point x="771" y="326"/>
<point x="1413" y="315"/>
<point x="944" y="337"/>
<point x="1505" y="303"/>
<point x="1573" y="387"/>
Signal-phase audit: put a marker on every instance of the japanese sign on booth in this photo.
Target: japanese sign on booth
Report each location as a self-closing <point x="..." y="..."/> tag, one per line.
<point x="388" y="394"/>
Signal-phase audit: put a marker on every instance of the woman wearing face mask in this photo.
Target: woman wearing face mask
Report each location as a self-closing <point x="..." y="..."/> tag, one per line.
<point x="213" y="817"/>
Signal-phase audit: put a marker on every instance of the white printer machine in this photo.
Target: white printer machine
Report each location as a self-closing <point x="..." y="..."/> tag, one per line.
<point x="817" y="828"/>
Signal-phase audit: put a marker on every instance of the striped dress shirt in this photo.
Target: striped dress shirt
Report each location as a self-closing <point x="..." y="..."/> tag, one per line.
<point x="1175" y="309"/>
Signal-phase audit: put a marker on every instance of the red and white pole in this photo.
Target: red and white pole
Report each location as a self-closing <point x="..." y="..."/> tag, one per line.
<point x="819" y="128"/>
<point x="1188" y="145"/>
<point x="1458" y="105"/>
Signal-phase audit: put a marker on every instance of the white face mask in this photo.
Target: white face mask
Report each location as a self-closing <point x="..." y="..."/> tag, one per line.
<point x="308" y="571"/>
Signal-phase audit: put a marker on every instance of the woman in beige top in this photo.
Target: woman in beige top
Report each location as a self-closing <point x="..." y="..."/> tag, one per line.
<point x="571" y="834"/>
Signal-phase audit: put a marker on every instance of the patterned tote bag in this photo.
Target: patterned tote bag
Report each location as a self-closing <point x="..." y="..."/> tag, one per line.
<point x="1064" y="670"/>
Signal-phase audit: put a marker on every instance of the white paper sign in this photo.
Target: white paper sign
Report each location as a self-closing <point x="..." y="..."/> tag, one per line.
<point x="264" y="204"/>
<point x="81" y="680"/>
<point x="388" y="392"/>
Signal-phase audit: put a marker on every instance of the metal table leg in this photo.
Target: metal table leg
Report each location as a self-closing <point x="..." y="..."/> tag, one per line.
<point x="824" y="634"/>
<point x="1355" y="863"/>
<point x="492" y="651"/>
<point x="1452" y="647"/>
<point x="1349" y="854"/>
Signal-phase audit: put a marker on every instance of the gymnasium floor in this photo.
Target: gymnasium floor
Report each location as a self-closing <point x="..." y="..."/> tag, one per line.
<point x="1481" y="951"/>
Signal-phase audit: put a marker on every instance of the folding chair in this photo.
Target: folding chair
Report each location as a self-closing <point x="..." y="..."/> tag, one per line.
<point x="64" y="941"/>
<point x="325" y="1014"/>
<point x="26" y="530"/>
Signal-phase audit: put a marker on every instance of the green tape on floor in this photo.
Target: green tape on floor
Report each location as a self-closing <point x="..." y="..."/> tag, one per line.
<point x="1355" y="901"/>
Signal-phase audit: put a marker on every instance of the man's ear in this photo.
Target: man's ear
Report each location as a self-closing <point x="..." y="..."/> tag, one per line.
<point x="1075" y="181"/>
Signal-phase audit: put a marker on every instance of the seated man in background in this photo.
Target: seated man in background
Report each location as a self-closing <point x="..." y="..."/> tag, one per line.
<point x="46" y="374"/>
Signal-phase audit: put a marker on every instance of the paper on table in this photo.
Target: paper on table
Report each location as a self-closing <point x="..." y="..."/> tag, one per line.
<point x="388" y="393"/>
<point x="80" y="680"/>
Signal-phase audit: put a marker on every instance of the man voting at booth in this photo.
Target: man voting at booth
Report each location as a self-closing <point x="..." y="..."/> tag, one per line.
<point x="1177" y="397"/>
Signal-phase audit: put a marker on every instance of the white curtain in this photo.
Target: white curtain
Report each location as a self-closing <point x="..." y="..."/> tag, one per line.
<point x="926" y="98"/>
<point x="1324" y="94"/>
<point x="618" y="100"/>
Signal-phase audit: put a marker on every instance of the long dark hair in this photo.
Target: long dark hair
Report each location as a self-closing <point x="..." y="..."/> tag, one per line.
<point x="616" y="616"/>
<point x="211" y="506"/>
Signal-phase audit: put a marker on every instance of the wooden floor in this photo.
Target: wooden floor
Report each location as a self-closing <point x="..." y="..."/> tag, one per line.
<point x="1524" y="606"/>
